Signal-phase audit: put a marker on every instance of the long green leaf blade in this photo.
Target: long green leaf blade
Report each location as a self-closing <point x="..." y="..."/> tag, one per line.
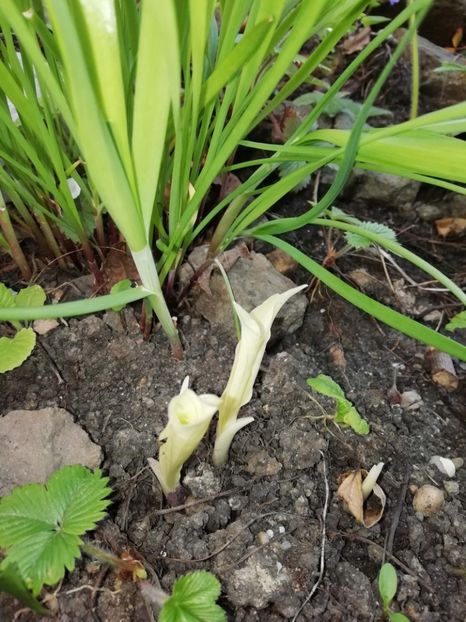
<point x="376" y="309"/>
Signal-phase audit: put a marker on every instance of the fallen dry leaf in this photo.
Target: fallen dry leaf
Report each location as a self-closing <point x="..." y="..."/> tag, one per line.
<point x="338" y="356"/>
<point x="350" y="492"/>
<point x="281" y="261"/>
<point x="118" y="265"/>
<point x="357" y="42"/>
<point x="450" y="226"/>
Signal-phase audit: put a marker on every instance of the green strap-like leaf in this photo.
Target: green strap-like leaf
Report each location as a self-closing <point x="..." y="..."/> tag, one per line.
<point x="12" y="582"/>
<point x="15" y="350"/>
<point x="78" y="307"/>
<point x="376" y="309"/>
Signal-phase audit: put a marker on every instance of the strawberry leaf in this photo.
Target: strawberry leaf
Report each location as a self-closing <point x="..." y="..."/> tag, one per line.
<point x="193" y="599"/>
<point x="40" y="524"/>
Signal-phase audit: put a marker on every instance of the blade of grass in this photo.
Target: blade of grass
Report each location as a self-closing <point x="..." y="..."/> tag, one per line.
<point x="365" y="303"/>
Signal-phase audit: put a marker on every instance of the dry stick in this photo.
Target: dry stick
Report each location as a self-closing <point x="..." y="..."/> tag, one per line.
<point x="15" y="249"/>
<point x="398" y="510"/>
<point x="354" y="536"/>
<point x="220" y="495"/>
<point x="322" y="547"/>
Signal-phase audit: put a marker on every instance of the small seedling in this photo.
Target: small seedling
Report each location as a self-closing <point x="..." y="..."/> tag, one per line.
<point x="41" y="527"/>
<point x="15" y="350"/>
<point x="346" y="413"/>
<point x="193" y="598"/>
<point x="388" y="584"/>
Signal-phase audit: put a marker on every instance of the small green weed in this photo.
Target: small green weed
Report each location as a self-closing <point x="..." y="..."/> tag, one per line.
<point x="388" y="584"/>
<point x="345" y="414"/>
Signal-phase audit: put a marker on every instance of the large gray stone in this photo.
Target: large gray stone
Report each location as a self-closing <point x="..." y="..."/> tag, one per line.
<point x="253" y="279"/>
<point x="370" y="188"/>
<point x="438" y="90"/>
<point x="35" y="443"/>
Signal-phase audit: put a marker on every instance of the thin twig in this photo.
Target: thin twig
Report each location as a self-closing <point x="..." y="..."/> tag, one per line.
<point x="398" y="509"/>
<point x="354" y="536"/>
<point x="190" y="504"/>
<point x="322" y="546"/>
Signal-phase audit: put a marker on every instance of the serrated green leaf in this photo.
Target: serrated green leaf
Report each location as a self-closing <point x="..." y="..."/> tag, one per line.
<point x="121" y="286"/>
<point x="15" y="350"/>
<point x="193" y="600"/>
<point x="457" y="321"/>
<point x="338" y="104"/>
<point x="32" y="296"/>
<point x="40" y="524"/>
<point x="12" y="583"/>
<point x="286" y="168"/>
<point x="388" y="583"/>
<point x="7" y="297"/>
<point x="326" y="386"/>
<point x="358" y="241"/>
<point x="398" y="617"/>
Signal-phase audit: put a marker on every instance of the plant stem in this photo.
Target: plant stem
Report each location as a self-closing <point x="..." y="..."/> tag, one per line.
<point x="145" y="265"/>
<point x="51" y="241"/>
<point x="10" y="236"/>
<point x="415" y="70"/>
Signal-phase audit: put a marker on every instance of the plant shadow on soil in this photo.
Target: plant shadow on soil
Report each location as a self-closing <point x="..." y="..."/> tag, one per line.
<point x="260" y="528"/>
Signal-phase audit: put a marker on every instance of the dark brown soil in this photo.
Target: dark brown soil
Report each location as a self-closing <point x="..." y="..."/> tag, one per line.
<point x="260" y="528"/>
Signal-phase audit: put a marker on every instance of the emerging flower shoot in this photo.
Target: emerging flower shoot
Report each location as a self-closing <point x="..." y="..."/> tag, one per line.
<point x="255" y="333"/>
<point x="189" y="416"/>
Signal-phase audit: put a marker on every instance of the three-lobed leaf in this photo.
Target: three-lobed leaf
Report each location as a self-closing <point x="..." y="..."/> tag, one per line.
<point x="457" y="321"/>
<point x="388" y="583"/>
<point x="15" y="350"/>
<point x="32" y="296"/>
<point x="358" y="240"/>
<point x="41" y="524"/>
<point x="193" y="599"/>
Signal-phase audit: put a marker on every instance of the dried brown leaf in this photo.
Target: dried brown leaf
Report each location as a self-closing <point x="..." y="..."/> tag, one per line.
<point x="450" y="226"/>
<point x="350" y="491"/>
<point x="357" y="42"/>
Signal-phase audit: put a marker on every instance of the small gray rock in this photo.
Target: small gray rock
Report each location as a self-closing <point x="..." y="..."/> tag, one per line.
<point x="260" y="581"/>
<point x="35" y="443"/>
<point x="203" y="484"/>
<point x="301" y="445"/>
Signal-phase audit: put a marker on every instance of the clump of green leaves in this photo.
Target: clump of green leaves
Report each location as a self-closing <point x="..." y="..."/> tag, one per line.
<point x="346" y="413"/>
<point x="41" y="527"/>
<point x="15" y="350"/>
<point x="388" y="583"/>
<point x="193" y="598"/>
